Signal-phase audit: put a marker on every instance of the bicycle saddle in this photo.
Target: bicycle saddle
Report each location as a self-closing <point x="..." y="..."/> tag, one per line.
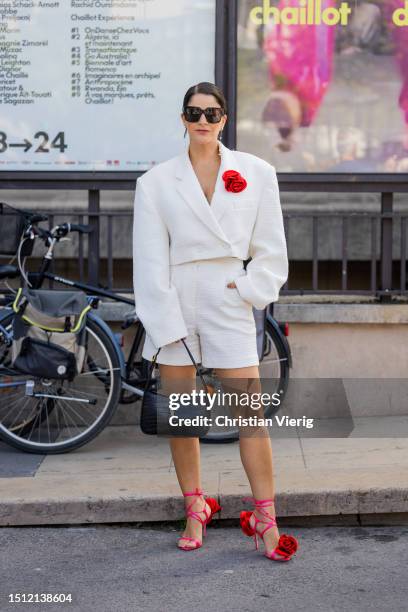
<point x="130" y="318"/>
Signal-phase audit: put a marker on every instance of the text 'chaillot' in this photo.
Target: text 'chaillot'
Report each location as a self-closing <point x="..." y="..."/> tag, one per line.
<point x="311" y="12"/>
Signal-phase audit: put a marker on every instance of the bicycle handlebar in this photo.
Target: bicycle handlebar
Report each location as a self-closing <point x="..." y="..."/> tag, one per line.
<point x="60" y="231"/>
<point x="38" y="231"/>
<point x="80" y="228"/>
<point x="50" y="237"/>
<point x="65" y="228"/>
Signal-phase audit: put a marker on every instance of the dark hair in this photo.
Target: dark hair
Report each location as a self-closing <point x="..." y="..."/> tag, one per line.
<point x="209" y="89"/>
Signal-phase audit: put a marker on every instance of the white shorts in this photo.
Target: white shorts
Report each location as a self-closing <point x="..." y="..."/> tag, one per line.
<point x="220" y="323"/>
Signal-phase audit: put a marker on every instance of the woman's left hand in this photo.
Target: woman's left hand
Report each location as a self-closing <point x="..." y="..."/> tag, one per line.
<point x="232" y="285"/>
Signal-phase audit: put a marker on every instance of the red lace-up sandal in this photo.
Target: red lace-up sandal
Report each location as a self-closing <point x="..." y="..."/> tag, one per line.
<point x="287" y="545"/>
<point x="214" y="507"/>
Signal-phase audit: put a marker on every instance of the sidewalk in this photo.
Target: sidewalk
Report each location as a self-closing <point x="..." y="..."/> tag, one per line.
<point x="125" y="476"/>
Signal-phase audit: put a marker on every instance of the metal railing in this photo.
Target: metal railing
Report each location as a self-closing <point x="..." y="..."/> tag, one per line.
<point x="378" y="281"/>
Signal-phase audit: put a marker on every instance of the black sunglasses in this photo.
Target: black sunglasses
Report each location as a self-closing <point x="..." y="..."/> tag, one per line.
<point x="193" y="114"/>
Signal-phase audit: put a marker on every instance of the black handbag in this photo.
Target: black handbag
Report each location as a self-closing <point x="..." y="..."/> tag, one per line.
<point x="155" y="413"/>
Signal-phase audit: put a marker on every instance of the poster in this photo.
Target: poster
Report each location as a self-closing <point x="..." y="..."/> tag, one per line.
<point x="323" y="85"/>
<point x="98" y="85"/>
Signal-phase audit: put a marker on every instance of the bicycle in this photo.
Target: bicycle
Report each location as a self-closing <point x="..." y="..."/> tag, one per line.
<point x="36" y="409"/>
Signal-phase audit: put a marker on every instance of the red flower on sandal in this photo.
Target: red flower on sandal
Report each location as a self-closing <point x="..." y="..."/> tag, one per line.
<point x="234" y="181"/>
<point x="287" y="545"/>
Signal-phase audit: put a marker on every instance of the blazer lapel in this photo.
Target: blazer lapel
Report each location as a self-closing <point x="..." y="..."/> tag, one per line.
<point x="190" y="189"/>
<point x="222" y="199"/>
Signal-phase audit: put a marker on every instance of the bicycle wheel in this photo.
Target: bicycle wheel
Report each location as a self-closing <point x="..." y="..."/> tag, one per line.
<point x="47" y="416"/>
<point x="278" y="379"/>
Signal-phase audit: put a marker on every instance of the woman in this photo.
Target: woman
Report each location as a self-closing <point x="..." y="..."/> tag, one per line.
<point x="197" y="217"/>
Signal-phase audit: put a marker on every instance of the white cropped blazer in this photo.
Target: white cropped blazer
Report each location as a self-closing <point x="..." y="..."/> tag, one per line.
<point x="173" y="224"/>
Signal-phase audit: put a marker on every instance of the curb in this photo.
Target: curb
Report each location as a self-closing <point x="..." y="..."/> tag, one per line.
<point x="344" y="504"/>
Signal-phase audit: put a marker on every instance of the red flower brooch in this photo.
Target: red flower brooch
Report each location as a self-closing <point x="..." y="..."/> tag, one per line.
<point x="234" y="181"/>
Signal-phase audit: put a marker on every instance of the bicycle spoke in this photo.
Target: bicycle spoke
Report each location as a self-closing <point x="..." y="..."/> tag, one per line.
<point x="70" y="406"/>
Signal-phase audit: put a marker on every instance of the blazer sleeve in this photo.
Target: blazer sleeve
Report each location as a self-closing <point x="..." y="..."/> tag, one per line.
<point x="157" y="301"/>
<point x="269" y="267"/>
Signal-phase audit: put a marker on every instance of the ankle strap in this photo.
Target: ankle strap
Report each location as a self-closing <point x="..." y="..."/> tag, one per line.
<point x="196" y="492"/>
<point x="260" y="503"/>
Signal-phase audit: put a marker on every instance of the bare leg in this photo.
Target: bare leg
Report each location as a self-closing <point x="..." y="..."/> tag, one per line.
<point x="256" y="457"/>
<point x="185" y="451"/>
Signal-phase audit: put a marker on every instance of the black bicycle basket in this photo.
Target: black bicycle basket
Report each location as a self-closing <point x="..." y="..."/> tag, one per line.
<point x="12" y="225"/>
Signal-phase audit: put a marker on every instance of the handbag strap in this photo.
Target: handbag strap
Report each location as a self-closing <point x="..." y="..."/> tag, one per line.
<point x="153" y="363"/>
<point x="195" y="365"/>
